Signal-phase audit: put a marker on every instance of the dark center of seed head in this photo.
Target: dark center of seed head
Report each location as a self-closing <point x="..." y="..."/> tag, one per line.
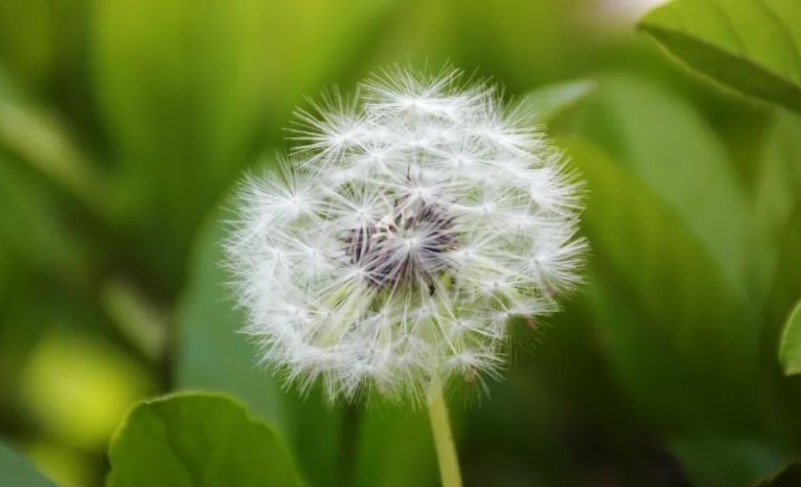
<point x="407" y="248"/>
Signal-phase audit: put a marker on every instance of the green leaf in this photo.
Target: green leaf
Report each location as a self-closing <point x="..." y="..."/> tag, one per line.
<point x="790" y="348"/>
<point x="673" y="323"/>
<point x="753" y="46"/>
<point x="16" y="472"/>
<point x="549" y="102"/>
<point x="670" y="321"/>
<point x="198" y="440"/>
<point x="777" y="238"/>
<point x="777" y="199"/>
<point x="666" y="144"/>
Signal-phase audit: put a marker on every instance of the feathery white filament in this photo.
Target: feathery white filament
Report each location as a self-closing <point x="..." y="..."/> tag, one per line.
<point x="410" y="225"/>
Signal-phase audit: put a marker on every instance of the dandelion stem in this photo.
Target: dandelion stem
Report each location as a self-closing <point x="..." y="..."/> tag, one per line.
<point x="443" y="436"/>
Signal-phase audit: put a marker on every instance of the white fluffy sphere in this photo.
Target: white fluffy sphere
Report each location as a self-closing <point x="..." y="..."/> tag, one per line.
<point x="410" y="225"/>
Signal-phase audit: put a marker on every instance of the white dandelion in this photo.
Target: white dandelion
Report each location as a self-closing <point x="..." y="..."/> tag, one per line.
<point x="409" y="226"/>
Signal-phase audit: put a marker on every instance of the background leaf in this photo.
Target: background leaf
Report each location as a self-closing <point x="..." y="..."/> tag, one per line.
<point x="198" y="439"/>
<point x="778" y="211"/>
<point x="687" y="341"/>
<point x="777" y="203"/>
<point x="776" y="241"/>
<point x="670" y="148"/>
<point x="687" y="327"/>
<point x="751" y="45"/>
<point x="189" y="91"/>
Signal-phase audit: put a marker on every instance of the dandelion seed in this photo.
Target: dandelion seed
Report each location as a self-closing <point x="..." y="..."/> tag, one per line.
<point x="410" y="225"/>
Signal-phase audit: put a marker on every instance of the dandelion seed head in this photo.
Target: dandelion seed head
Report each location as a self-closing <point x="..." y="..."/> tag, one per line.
<point x="410" y="224"/>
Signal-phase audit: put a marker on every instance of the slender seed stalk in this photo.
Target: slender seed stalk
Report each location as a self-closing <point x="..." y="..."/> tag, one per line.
<point x="443" y="436"/>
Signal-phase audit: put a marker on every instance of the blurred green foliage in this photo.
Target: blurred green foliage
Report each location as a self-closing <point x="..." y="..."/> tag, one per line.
<point x="126" y="124"/>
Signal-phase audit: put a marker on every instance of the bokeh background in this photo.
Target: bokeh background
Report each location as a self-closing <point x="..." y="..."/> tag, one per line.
<point x="126" y="124"/>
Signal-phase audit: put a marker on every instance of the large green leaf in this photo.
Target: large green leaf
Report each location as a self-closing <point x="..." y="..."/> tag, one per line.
<point x="16" y="472"/>
<point x="197" y="440"/>
<point x="778" y="197"/>
<point x="674" y="327"/>
<point x="776" y="257"/>
<point x="751" y="45"/>
<point x="778" y="201"/>
<point x="790" y="348"/>
<point x="669" y="147"/>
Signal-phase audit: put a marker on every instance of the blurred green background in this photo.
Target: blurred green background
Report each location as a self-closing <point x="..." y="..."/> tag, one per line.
<point x="125" y="125"/>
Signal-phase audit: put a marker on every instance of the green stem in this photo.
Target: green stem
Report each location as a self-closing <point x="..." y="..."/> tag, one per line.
<point x="443" y="437"/>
